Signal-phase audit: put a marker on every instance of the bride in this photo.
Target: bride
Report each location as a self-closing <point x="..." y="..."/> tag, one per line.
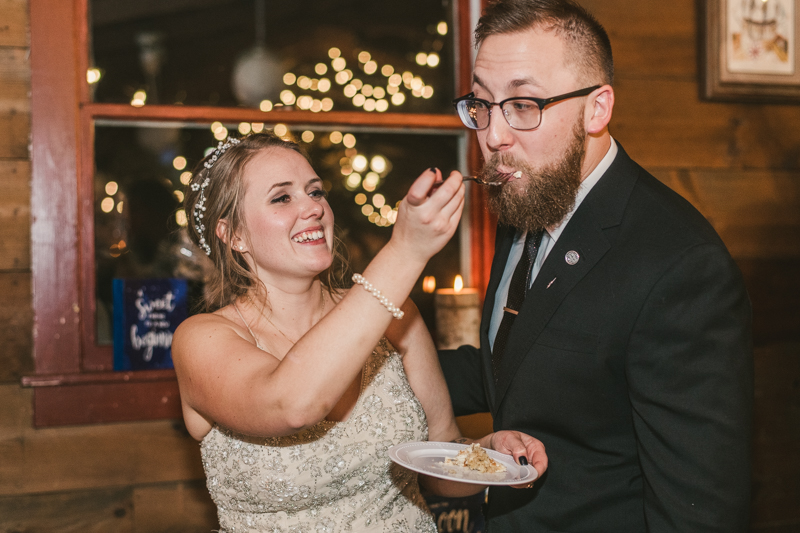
<point x="296" y="385"/>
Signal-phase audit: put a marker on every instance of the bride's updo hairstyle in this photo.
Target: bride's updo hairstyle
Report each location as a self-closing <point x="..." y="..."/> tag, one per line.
<point x="216" y="191"/>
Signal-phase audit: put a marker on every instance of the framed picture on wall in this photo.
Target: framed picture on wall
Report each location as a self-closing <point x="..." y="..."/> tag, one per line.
<point x="751" y="50"/>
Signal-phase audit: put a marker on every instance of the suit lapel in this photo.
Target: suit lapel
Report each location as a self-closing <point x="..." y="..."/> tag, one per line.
<point x="602" y="208"/>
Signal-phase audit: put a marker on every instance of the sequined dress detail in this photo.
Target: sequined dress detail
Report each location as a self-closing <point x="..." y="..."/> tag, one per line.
<point x="332" y="477"/>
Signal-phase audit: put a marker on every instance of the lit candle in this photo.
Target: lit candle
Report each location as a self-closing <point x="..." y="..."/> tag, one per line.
<point x="458" y="316"/>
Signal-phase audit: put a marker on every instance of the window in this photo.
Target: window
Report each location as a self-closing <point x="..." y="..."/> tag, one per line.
<point x="126" y="95"/>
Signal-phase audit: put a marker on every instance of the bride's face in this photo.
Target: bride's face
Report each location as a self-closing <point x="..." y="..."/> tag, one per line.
<point x="288" y="218"/>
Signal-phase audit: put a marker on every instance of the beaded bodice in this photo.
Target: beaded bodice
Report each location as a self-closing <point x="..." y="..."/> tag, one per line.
<point x="331" y="477"/>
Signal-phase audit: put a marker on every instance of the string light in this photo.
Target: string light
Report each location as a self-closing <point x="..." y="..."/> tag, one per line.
<point x="139" y="98"/>
<point x="221" y="133"/>
<point x="93" y="75"/>
<point x="353" y="181"/>
<point x="342" y="77"/>
<point x="111" y="188"/>
<point x="265" y="106"/>
<point x="360" y="163"/>
<point x="378" y="164"/>
<point x="287" y="97"/>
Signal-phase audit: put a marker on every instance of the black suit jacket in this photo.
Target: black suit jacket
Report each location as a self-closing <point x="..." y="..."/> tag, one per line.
<point x="633" y="367"/>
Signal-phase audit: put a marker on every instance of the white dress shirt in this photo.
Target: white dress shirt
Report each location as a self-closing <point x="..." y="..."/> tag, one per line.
<point x="549" y="239"/>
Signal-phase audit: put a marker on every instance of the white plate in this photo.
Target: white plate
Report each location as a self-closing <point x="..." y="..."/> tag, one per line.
<point x="428" y="458"/>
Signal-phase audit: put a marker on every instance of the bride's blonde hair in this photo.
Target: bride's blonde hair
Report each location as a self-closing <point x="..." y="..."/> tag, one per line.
<point x="232" y="277"/>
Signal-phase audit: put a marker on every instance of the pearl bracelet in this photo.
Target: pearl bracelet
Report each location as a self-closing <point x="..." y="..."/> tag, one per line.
<point x="360" y="280"/>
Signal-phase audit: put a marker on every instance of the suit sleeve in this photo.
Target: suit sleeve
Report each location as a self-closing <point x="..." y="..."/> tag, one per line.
<point x="462" y="371"/>
<point x="690" y="373"/>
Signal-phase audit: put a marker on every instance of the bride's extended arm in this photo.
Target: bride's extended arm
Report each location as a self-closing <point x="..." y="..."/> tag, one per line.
<point x="224" y="379"/>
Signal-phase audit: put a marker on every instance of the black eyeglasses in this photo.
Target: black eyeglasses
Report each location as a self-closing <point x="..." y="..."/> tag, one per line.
<point x="521" y="113"/>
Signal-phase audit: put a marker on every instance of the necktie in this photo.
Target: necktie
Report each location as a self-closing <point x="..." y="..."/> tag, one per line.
<point x="520" y="280"/>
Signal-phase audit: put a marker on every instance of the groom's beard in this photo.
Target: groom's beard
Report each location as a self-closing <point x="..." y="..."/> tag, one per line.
<point x="542" y="197"/>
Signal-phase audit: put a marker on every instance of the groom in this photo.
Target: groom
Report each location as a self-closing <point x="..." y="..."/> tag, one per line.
<point x="616" y="328"/>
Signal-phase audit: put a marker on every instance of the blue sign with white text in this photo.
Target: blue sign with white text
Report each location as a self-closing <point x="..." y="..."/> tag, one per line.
<point x="146" y="314"/>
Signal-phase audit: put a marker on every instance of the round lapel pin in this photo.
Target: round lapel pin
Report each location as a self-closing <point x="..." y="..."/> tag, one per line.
<point x="572" y="257"/>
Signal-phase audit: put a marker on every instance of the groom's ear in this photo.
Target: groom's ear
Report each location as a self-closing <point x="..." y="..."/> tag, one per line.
<point x="599" y="108"/>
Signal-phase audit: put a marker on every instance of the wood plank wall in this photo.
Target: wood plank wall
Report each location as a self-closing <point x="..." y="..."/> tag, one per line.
<point x="739" y="164"/>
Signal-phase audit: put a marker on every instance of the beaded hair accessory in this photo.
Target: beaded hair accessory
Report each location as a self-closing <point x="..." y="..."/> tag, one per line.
<point x="200" y="206"/>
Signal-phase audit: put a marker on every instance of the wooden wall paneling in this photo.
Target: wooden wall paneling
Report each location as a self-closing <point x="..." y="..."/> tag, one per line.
<point x="185" y="507"/>
<point x="89" y="457"/>
<point x="14" y="27"/>
<point x="14" y="103"/>
<point x="16" y="324"/>
<point x="94" y="511"/>
<point x="661" y="123"/>
<point x="15" y="219"/>
<point x="756" y="212"/>
<point x="776" y="464"/>
<point x="652" y="40"/>
<point x="54" y="127"/>
<point x="774" y="289"/>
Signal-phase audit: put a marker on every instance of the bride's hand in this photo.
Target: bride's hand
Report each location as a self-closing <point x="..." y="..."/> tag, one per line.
<point x="428" y="216"/>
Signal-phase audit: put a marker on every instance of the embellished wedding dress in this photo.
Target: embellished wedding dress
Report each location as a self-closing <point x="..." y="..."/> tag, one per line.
<point x="331" y="477"/>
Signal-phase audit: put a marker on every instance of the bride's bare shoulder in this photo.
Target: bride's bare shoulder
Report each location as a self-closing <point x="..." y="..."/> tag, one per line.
<point x="202" y="328"/>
